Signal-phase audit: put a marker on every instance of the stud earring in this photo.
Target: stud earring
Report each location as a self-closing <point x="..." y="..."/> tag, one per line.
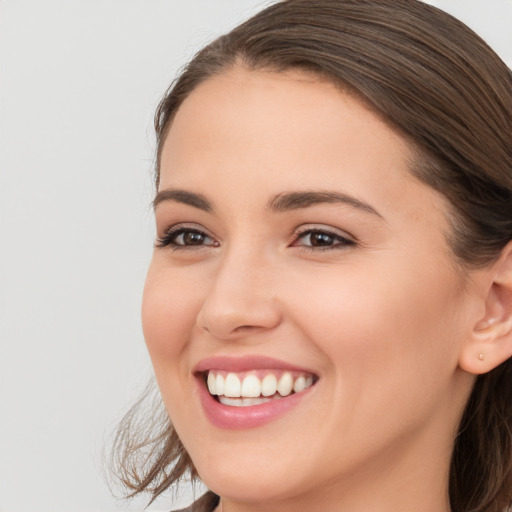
<point x="481" y="356"/>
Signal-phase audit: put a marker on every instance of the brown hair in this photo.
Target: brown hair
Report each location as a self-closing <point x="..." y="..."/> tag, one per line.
<point x="441" y="86"/>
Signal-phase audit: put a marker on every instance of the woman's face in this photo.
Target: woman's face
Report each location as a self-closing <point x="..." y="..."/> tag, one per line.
<point x="295" y="248"/>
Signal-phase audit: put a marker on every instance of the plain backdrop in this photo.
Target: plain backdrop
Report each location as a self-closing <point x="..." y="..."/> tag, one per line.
<point x="79" y="82"/>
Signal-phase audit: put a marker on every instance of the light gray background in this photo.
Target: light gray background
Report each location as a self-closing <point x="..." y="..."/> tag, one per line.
<point x="79" y="81"/>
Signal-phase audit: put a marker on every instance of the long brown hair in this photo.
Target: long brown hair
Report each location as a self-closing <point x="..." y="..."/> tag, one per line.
<point x="450" y="95"/>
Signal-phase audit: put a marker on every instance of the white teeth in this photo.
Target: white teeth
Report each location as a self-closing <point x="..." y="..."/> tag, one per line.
<point x="299" y="384"/>
<point x="251" y="387"/>
<point x="241" y="390"/>
<point x="219" y="384"/>
<point x="232" y="386"/>
<point x="285" y="384"/>
<point x="242" y="402"/>
<point x="269" y="385"/>
<point x="212" y="388"/>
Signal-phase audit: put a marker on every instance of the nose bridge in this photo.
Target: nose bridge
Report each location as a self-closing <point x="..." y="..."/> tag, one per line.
<point x="241" y="297"/>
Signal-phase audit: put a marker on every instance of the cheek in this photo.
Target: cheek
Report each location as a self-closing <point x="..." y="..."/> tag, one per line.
<point x="390" y="350"/>
<point x="169" y="310"/>
<point x="386" y="320"/>
<point x="168" y="320"/>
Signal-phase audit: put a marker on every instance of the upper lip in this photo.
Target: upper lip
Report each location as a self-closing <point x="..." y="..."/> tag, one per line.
<point x="246" y="363"/>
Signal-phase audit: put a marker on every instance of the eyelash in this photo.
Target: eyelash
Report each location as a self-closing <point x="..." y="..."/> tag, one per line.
<point x="169" y="239"/>
<point x="339" y="242"/>
<point x="170" y="236"/>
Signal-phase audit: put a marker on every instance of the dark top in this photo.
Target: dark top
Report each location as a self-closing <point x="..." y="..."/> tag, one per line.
<point x="205" y="503"/>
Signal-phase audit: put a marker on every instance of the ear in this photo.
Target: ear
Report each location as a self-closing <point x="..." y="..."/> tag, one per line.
<point x="491" y="337"/>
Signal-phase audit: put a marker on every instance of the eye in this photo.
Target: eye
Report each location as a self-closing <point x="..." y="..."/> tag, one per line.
<point x="184" y="238"/>
<point x="321" y="239"/>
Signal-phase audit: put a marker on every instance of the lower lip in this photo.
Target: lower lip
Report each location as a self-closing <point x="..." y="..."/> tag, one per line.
<point x="229" y="417"/>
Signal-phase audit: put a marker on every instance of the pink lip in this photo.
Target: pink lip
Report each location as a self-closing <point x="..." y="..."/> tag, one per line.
<point x="245" y="364"/>
<point x="228" y="417"/>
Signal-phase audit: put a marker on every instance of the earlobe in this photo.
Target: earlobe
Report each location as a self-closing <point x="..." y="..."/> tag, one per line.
<point x="491" y="337"/>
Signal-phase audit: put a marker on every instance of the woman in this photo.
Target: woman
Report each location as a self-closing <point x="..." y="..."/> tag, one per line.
<point x="329" y="305"/>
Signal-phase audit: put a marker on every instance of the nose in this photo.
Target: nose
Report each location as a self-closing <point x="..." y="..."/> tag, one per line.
<point x="241" y="300"/>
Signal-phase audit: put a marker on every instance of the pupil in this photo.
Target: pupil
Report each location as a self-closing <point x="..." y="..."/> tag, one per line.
<point x="321" y="239"/>
<point x="192" y="238"/>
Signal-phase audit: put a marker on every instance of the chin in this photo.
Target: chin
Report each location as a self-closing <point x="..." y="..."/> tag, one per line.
<point x="242" y="484"/>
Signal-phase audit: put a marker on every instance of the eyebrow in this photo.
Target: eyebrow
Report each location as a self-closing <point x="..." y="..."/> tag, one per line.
<point x="283" y="202"/>
<point x="297" y="200"/>
<point x="184" y="197"/>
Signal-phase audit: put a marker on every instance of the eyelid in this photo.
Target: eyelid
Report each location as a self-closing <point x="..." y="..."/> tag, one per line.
<point x="165" y="239"/>
<point x="326" y="229"/>
<point x="344" y="239"/>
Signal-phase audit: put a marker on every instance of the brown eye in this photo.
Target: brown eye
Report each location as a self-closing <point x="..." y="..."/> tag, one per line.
<point x="319" y="239"/>
<point x="193" y="238"/>
<point x="183" y="238"/>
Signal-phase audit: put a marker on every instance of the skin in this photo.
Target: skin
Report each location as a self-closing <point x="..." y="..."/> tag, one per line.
<point x="384" y="321"/>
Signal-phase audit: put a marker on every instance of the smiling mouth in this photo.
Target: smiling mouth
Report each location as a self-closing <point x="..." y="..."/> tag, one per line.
<point x="245" y="389"/>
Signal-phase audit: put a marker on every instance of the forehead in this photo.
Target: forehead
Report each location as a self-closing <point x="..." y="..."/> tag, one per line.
<point x="268" y="131"/>
<point x="276" y="116"/>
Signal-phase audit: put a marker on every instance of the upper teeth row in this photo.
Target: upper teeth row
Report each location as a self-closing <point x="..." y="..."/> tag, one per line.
<point x="251" y="386"/>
